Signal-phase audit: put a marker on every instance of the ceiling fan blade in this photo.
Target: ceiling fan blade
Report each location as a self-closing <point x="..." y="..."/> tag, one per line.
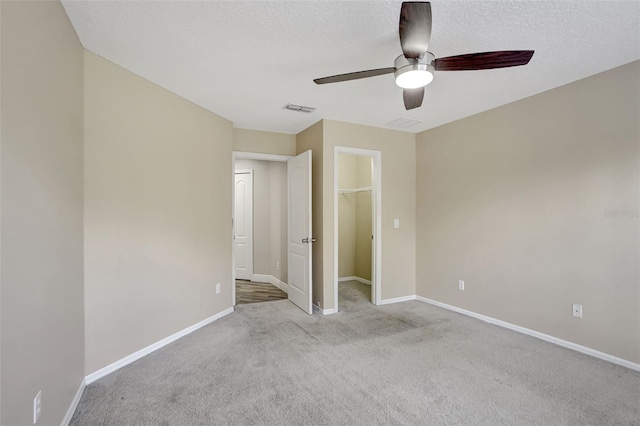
<point x="413" y="97"/>
<point x="484" y="61"/>
<point x="354" y="75"/>
<point x="415" y="28"/>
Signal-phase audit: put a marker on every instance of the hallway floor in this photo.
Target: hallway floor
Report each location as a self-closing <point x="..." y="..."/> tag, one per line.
<point x="252" y="292"/>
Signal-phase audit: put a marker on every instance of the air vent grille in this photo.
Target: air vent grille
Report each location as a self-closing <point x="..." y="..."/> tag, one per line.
<point x="403" y="123"/>
<point x="299" y="108"/>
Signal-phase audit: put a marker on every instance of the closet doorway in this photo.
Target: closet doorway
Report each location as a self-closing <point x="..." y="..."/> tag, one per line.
<point x="357" y="225"/>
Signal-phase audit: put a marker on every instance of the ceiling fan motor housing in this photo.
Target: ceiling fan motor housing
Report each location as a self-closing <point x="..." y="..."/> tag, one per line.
<point x="412" y="73"/>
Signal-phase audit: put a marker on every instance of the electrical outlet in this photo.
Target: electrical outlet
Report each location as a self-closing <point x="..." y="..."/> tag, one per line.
<point x="396" y="223"/>
<point x="577" y="310"/>
<point x="218" y="288"/>
<point x="37" y="402"/>
<point x="277" y="266"/>
<point x="460" y="285"/>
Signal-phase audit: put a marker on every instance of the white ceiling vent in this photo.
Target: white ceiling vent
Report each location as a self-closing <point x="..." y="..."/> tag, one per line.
<point x="403" y="123"/>
<point x="299" y="108"/>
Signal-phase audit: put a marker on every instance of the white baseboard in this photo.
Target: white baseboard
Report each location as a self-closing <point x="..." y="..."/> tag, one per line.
<point x="354" y="278"/>
<point x="263" y="278"/>
<point x="318" y="309"/>
<point x="155" y="346"/>
<point x="536" y="334"/>
<point x="280" y="284"/>
<point x="397" y="299"/>
<point x="74" y="404"/>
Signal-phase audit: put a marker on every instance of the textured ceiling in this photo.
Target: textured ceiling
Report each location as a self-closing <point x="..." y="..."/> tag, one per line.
<point x="246" y="60"/>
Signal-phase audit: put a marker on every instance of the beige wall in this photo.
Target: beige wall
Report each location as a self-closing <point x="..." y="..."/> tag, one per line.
<point x="269" y="216"/>
<point x="41" y="213"/>
<point x="398" y="201"/>
<point x="514" y="201"/>
<point x="346" y="216"/>
<point x="158" y="185"/>
<point x="363" y="222"/>
<point x="262" y="142"/>
<point x="312" y="139"/>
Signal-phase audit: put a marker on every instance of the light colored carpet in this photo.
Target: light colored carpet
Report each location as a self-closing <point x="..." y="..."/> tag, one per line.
<point x="407" y="364"/>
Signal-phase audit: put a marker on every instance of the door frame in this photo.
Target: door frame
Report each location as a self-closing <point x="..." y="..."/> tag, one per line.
<point x="376" y="193"/>
<point x="236" y="155"/>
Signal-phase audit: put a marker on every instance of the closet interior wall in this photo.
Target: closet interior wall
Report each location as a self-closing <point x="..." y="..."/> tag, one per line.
<point x="354" y="216"/>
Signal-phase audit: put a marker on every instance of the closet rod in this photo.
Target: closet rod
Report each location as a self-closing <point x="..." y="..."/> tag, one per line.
<point x="352" y="190"/>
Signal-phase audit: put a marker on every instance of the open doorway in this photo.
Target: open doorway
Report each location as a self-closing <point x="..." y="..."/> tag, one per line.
<point x="356" y="226"/>
<point x="260" y="228"/>
<point x="289" y="269"/>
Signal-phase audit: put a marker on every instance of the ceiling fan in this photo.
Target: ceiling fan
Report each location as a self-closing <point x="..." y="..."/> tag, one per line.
<point x="414" y="69"/>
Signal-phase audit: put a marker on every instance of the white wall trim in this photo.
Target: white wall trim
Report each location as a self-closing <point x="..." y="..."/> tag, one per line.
<point x="153" y="347"/>
<point x="270" y="279"/>
<point x="261" y="278"/>
<point x="233" y="231"/>
<point x="74" y="404"/>
<point x="397" y="299"/>
<point x="354" y="278"/>
<point x="280" y="284"/>
<point x="536" y="334"/>
<point x="317" y="309"/>
<point x="258" y="156"/>
<point x="376" y="247"/>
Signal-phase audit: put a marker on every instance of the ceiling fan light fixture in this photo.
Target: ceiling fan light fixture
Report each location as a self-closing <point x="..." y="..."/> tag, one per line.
<point x="413" y="79"/>
<point x="415" y="68"/>
<point x="412" y="73"/>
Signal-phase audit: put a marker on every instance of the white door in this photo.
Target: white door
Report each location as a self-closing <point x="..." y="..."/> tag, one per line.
<point x="243" y="224"/>
<point x="300" y="238"/>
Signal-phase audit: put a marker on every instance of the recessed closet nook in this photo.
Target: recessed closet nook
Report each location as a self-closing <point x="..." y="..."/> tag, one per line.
<point x="355" y="219"/>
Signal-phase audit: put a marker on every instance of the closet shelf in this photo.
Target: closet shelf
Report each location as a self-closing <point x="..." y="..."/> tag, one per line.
<point x="352" y="190"/>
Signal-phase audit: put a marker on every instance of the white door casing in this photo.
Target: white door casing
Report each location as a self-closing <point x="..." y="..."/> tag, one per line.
<point x="373" y="231"/>
<point x="243" y="226"/>
<point x="299" y="236"/>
